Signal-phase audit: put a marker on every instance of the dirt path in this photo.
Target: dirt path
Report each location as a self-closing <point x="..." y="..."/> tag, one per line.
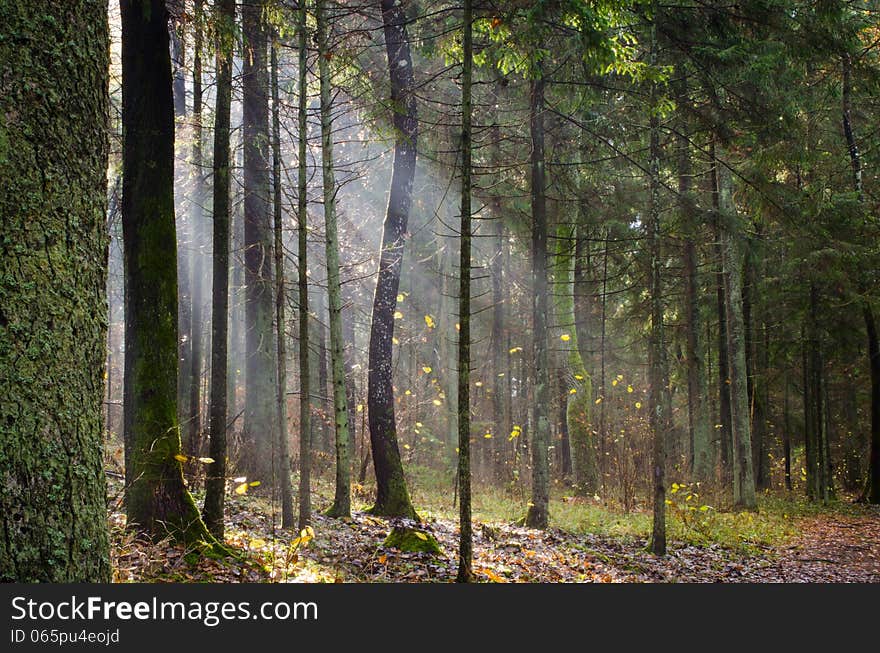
<point x="834" y="549"/>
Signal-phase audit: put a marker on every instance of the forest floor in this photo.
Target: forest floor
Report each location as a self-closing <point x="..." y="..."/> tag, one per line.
<point x="785" y="541"/>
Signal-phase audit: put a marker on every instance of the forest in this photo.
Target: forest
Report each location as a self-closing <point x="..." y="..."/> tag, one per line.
<point x="405" y="291"/>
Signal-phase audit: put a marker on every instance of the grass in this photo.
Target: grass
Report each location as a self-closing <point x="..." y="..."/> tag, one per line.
<point x="689" y="521"/>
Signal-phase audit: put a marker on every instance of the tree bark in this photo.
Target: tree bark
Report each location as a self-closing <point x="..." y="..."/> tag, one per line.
<point x="305" y="410"/>
<point x="283" y="467"/>
<point x="342" y="500"/>
<point x="538" y="512"/>
<point x="392" y="495"/>
<point x="261" y="373"/>
<point x="53" y="272"/>
<point x="465" y="548"/>
<point x="215" y="481"/>
<point x="156" y="500"/>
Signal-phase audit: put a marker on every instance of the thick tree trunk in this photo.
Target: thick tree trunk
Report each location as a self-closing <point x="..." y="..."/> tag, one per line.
<point x="538" y="513"/>
<point x="215" y="481"/>
<point x="53" y="271"/>
<point x="342" y="500"/>
<point x="392" y="495"/>
<point x="156" y="500"/>
<point x="261" y="374"/>
<point x="305" y="410"/>
<point x="283" y="466"/>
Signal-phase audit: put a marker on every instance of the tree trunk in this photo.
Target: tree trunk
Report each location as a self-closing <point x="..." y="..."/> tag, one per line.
<point x="305" y="410"/>
<point x="342" y="500"/>
<point x="261" y="373"/>
<point x="538" y="513"/>
<point x="215" y="481"/>
<point x="732" y="264"/>
<point x="156" y="500"/>
<point x="702" y="458"/>
<point x="465" y="549"/>
<point x="283" y="466"/>
<point x="658" y="418"/>
<point x="53" y="271"/>
<point x="392" y="495"/>
<point x="577" y="395"/>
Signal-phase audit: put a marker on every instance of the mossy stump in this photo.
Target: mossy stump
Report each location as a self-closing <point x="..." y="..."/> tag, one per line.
<point x="412" y="540"/>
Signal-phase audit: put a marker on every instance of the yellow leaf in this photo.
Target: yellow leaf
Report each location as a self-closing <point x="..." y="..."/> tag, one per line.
<point x="407" y="393"/>
<point x="257" y="543"/>
<point x="573" y="391"/>
<point x="565" y="337"/>
<point x="488" y="436"/>
<point x="437" y="402"/>
<point x="239" y="479"/>
<point x="620" y="377"/>
<point x="426" y="369"/>
<point x="382" y="559"/>
<point x="614" y="382"/>
<point x="629" y="388"/>
<point x="395" y="340"/>
<point x="429" y="320"/>
<point x="241" y="489"/>
<point x="406" y="446"/>
<point x="579" y="377"/>
<point x="638" y="405"/>
<point x="457" y="326"/>
<point x="398" y="315"/>
<point x="206" y="460"/>
<point x="360" y="408"/>
<point x="421" y="536"/>
<point x="598" y="400"/>
<point x="400" y="297"/>
<point x="513" y="350"/>
<point x="254" y="483"/>
<point x="181" y="458"/>
<point x="419" y="424"/>
<point x="479" y="384"/>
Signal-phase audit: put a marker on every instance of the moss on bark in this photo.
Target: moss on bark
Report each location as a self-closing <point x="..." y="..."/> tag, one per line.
<point x="412" y="540"/>
<point x="53" y="314"/>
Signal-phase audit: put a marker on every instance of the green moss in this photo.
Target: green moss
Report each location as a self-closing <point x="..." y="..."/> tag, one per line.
<point x="412" y="540"/>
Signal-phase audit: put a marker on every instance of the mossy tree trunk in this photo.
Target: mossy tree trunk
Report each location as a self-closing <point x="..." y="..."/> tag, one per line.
<point x="342" y="500"/>
<point x="392" y="495"/>
<point x="53" y="313"/>
<point x="261" y="374"/>
<point x="156" y="499"/>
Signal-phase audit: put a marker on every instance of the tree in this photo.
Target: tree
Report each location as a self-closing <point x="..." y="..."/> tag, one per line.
<point x="260" y="417"/>
<point x="305" y="413"/>
<point x="53" y="267"/>
<point x="465" y="549"/>
<point x="280" y="298"/>
<point x="538" y="512"/>
<point x="342" y="501"/>
<point x="392" y="495"/>
<point x="215" y="482"/>
<point x="156" y="499"/>
<point x="659" y="418"/>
